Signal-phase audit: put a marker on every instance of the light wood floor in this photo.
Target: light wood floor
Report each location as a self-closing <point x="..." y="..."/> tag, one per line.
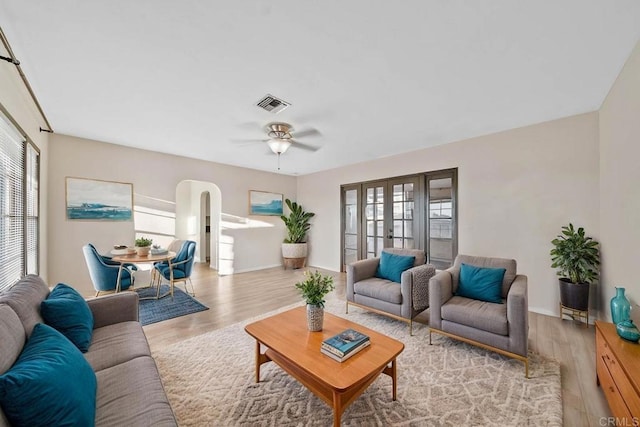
<point x="242" y="296"/>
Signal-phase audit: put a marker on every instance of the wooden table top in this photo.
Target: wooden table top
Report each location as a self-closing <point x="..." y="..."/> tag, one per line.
<point x="135" y="258"/>
<point x="287" y="334"/>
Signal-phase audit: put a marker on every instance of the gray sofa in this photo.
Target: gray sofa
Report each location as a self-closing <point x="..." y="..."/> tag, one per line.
<point x="503" y="328"/>
<point x="129" y="392"/>
<point x="402" y="301"/>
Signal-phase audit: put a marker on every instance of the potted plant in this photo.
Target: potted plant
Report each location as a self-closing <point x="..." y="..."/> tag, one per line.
<point x="143" y="246"/>
<point x="313" y="289"/>
<point x="294" y="248"/>
<point x="577" y="259"/>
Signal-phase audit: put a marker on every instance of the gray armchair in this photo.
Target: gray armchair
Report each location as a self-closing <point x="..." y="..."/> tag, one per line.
<point x="503" y="328"/>
<point x="402" y="301"/>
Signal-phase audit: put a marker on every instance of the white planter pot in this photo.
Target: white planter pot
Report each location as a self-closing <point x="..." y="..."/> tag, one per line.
<point x="143" y="250"/>
<point x="294" y="250"/>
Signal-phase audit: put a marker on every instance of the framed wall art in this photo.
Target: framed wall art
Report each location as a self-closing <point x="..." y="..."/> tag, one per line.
<point x="265" y="203"/>
<point x="96" y="200"/>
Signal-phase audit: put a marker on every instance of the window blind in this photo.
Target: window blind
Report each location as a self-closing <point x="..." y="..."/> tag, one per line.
<point x="12" y="166"/>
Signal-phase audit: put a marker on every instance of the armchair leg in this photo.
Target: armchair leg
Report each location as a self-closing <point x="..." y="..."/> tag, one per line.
<point x="347" y="309"/>
<point x="429" y="336"/>
<point x="526" y="368"/>
<point x="410" y="327"/>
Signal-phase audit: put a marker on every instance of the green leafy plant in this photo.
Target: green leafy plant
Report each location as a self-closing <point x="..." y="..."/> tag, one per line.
<point x="575" y="256"/>
<point x="314" y="287"/>
<point x="297" y="222"/>
<point x="143" y="242"/>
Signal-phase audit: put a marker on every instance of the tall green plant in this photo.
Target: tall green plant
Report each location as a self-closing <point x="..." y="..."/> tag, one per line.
<point x="315" y="287"/>
<point x="575" y="256"/>
<point x="297" y="222"/>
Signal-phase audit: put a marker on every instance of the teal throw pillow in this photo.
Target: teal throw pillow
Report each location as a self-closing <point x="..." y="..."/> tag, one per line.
<point x="68" y="312"/>
<point x="51" y="383"/>
<point x="391" y="266"/>
<point x="484" y="284"/>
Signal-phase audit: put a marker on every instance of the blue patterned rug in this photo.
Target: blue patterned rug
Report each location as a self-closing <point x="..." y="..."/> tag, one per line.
<point x="154" y="311"/>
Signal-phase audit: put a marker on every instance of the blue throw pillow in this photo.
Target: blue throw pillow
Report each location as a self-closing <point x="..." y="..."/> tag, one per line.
<point x="51" y="383"/>
<point x="484" y="284"/>
<point x="68" y="312"/>
<point x="391" y="266"/>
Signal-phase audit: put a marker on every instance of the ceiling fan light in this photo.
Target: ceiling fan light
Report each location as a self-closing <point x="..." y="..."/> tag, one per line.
<point x="278" y="146"/>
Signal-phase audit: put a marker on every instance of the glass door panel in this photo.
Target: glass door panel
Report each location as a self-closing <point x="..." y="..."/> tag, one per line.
<point x="404" y="228"/>
<point x="350" y="226"/>
<point x="441" y="220"/>
<point x="374" y="216"/>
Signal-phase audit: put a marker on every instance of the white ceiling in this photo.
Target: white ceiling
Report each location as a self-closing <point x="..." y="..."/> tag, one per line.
<point x="375" y="78"/>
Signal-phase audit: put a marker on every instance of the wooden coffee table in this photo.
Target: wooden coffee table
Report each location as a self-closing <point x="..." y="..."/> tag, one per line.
<point x="297" y="351"/>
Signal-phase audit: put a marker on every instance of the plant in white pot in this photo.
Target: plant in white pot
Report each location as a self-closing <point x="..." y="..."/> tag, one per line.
<point x="143" y="246"/>
<point x="314" y="288"/>
<point x="577" y="259"/>
<point x="294" y="248"/>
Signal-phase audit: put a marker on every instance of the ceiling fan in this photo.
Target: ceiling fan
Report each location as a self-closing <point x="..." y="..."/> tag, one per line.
<point x="281" y="138"/>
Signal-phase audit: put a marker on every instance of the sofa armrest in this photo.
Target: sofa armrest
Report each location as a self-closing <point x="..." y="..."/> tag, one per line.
<point x="414" y="285"/>
<point x="360" y="270"/>
<point x="518" y="315"/>
<point x="440" y="291"/>
<point x="114" y="308"/>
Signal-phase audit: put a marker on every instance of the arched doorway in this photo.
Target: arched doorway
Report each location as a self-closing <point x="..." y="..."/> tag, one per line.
<point x="198" y="209"/>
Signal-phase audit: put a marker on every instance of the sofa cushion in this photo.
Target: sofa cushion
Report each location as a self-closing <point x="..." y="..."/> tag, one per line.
<point x="12" y="337"/>
<point x="131" y="394"/>
<point x="484" y="284"/>
<point x="25" y="298"/>
<point x="477" y="314"/>
<point x="67" y="311"/>
<point x="50" y="384"/>
<point x="380" y="289"/>
<point x="391" y="266"/>
<point x="117" y="343"/>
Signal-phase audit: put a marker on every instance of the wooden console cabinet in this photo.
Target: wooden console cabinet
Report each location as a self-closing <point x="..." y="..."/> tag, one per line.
<point x="618" y="373"/>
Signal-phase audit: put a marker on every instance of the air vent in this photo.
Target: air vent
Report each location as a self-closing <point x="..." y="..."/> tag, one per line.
<point x="272" y="104"/>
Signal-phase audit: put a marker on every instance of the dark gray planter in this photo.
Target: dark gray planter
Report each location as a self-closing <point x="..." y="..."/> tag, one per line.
<point x="574" y="295"/>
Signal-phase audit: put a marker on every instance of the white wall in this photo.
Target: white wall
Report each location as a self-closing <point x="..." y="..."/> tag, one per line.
<point x="16" y="101"/>
<point x="620" y="185"/>
<point x="516" y="189"/>
<point x="255" y="241"/>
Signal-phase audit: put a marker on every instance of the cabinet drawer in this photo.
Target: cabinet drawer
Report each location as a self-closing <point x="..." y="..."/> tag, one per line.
<point x="623" y="384"/>
<point x="611" y="392"/>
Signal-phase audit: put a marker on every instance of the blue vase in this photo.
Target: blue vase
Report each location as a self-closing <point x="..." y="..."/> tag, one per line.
<point x="620" y="307"/>
<point x="627" y="330"/>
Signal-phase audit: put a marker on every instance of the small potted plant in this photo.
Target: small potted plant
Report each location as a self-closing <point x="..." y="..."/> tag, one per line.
<point x="313" y="289"/>
<point x="143" y="246"/>
<point x="294" y="248"/>
<point x="577" y="259"/>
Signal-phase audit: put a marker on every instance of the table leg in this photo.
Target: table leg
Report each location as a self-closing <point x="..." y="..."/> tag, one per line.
<point x="258" y="361"/>
<point x="394" y="378"/>
<point x="337" y="409"/>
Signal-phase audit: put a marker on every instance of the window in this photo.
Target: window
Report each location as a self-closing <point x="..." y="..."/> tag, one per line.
<point x="19" y="170"/>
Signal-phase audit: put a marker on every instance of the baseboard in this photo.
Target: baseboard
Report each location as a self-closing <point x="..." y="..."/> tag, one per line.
<point x="247" y="270"/>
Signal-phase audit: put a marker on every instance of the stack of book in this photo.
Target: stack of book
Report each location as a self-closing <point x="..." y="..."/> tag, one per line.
<point x="344" y="345"/>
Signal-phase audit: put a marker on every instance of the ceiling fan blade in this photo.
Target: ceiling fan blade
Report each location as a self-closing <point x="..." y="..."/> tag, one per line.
<point x="302" y="146"/>
<point x="306" y="133"/>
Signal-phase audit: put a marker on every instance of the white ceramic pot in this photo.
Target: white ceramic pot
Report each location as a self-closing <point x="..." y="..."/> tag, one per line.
<point x="294" y="250"/>
<point x="143" y="250"/>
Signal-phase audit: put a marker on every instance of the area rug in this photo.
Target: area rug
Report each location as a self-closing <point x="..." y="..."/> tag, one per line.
<point x="210" y="381"/>
<point x="154" y="311"/>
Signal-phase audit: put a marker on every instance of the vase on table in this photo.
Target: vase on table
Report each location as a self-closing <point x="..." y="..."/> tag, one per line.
<point x="315" y="317"/>
<point x="620" y="307"/>
<point x="627" y="330"/>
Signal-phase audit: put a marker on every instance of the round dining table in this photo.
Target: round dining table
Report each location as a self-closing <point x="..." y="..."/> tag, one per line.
<point x="134" y="258"/>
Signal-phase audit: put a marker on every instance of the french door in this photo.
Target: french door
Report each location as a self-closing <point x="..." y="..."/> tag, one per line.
<point x="412" y="212"/>
<point x="391" y="215"/>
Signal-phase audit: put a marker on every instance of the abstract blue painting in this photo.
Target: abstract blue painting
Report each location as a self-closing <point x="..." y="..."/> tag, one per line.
<point x="264" y="203"/>
<point x="95" y="200"/>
